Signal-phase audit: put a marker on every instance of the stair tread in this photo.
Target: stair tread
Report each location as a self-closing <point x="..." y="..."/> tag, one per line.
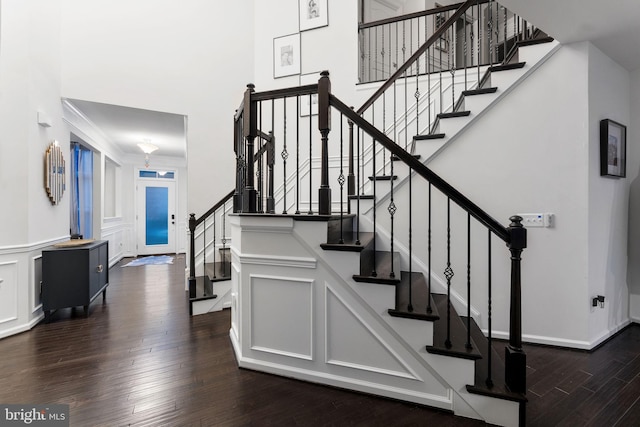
<point x="454" y="114"/>
<point x="361" y="197"/>
<point x="482" y="91"/>
<point x="429" y="136"/>
<point x="498" y="387"/>
<point x="395" y="158"/>
<point x="218" y="271"/>
<point x="420" y="298"/>
<point x="383" y="271"/>
<point x="504" y="67"/>
<point x="383" y="177"/>
<point x="349" y="243"/>
<point x="203" y="289"/>
<point x="458" y="333"/>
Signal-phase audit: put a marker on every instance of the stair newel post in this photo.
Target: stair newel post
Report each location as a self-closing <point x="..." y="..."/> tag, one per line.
<point x="324" y="125"/>
<point x="239" y="150"/>
<point x="192" y="255"/>
<point x="515" y="358"/>
<point x="271" y="160"/>
<point x="250" y="132"/>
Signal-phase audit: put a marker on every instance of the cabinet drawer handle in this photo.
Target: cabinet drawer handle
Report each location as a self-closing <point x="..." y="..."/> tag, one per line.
<point x="99" y="268"/>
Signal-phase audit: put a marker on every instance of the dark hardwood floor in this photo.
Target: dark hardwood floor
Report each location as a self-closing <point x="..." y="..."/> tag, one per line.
<point x="140" y="359"/>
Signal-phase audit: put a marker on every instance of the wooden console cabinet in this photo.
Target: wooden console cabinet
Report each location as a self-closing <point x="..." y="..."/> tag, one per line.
<point x="73" y="276"/>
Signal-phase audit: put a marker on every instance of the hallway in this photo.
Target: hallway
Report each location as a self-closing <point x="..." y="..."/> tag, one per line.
<point x="140" y="359"/>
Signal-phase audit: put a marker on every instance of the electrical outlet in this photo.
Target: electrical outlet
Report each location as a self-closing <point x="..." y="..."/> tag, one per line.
<point x="530" y="220"/>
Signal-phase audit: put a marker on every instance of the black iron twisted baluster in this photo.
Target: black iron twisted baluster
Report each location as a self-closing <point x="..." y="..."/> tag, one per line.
<point x="448" y="273"/>
<point x="504" y="53"/>
<point x="497" y="32"/>
<point x="285" y="156"/>
<point x="392" y="206"/>
<point x="489" y="380"/>
<point x="468" y="344"/>
<point x="382" y="52"/>
<point x="341" y="181"/>
<point x="490" y="33"/>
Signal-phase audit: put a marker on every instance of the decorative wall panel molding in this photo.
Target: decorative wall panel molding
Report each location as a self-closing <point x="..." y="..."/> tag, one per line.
<point x="282" y="316"/>
<point x="8" y="291"/>
<point x="277" y="261"/>
<point x="352" y="343"/>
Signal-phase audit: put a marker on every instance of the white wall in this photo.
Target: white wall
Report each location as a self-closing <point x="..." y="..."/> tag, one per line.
<point x="633" y="166"/>
<point x="29" y="82"/>
<point x="333" y="48"/>
<point x="609" y="98"/>
<point x="530" y="154"/>
<point x="190" y="57"/>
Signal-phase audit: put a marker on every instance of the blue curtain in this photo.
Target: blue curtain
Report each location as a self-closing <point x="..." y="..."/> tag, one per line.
<point x="81" y="190"/>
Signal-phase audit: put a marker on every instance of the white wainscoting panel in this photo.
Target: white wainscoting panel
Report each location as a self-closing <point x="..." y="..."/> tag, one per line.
<point x="8" y="291"/>
<point x="36" y="295"/>
<point x="282" y="316"/>
<point x="352" y="343"/>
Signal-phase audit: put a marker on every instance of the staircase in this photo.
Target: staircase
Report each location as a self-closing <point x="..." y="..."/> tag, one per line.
<point x="324" y="287"/>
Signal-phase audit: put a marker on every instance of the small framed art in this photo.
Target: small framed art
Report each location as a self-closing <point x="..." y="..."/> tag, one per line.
<point x="286" y="55"/>
<point x="313" y="14"/>
<point x="613" y="149"/>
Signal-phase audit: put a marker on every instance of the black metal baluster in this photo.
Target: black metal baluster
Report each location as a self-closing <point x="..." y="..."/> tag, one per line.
<point x="490" y="33"/>
<point x="497" y="32"/>
<point x="374" y="273"/>
<point x="285" y="156"/>
<point x="341" y="181"/>
<point x="429" y="308"/>
<point x="505" y="47"/>
<point x="392" y="206"/>
<point x="465" y="51"/>
<point x="479" y="41"/>
<point x="384" y="130"/>
<point x="468" y="344"/>
<point x="358" y="192"/>
<point x="214" y="245"/>
<point x="448" y="273"/>
<point x="452" y="68"/>
<point x="376" y="51"/>
<point x="310" y="156"/>
<point x="224" y="239"/>
<point x="489" y="380"/>
<point x="298" y="100"/>
<point x="382" y="52"/>
<point x="260" y="161"/>
<point x="204" y="251"/>
<point x="351" y="179"/>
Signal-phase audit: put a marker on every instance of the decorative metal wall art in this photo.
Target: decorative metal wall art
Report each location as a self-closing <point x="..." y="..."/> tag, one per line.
<point x="54" y="174"/>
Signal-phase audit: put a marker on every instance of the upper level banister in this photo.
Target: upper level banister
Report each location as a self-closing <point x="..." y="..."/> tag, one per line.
<point x="284" y="93"/>
<point x="457" y="197"/>
<point x="408" y="16"/>
<point x="215" y="207"/>
<point x="421" y="50"/>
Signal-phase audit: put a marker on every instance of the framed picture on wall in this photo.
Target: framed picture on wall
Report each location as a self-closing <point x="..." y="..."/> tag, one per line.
<point x="613" y="149"/>
<point x="309" y="103"/>
<point x="313" y="14"/>
<point x="286" y="55"/>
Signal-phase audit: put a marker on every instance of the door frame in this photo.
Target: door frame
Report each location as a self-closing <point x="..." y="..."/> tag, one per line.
<point x="140" y="201"/>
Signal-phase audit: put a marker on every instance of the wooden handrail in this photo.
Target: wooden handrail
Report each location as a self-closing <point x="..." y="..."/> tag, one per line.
<point x="408" y="16"/>
<point x="421" y="50"/>
<point x="215" y="207"/>
<point x="446" y="188"/>
<point x="284" y="93"/>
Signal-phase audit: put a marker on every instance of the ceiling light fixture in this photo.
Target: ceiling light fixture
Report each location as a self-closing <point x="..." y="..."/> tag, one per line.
<point x="147" y="148"/>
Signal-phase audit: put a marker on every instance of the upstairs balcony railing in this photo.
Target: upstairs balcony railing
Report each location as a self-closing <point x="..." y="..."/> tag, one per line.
<point x="484" y="34"/>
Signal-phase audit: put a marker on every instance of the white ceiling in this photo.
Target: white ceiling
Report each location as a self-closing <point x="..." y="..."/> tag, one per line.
<point x="127" y="127"/>
<point x="613" y="26"/>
